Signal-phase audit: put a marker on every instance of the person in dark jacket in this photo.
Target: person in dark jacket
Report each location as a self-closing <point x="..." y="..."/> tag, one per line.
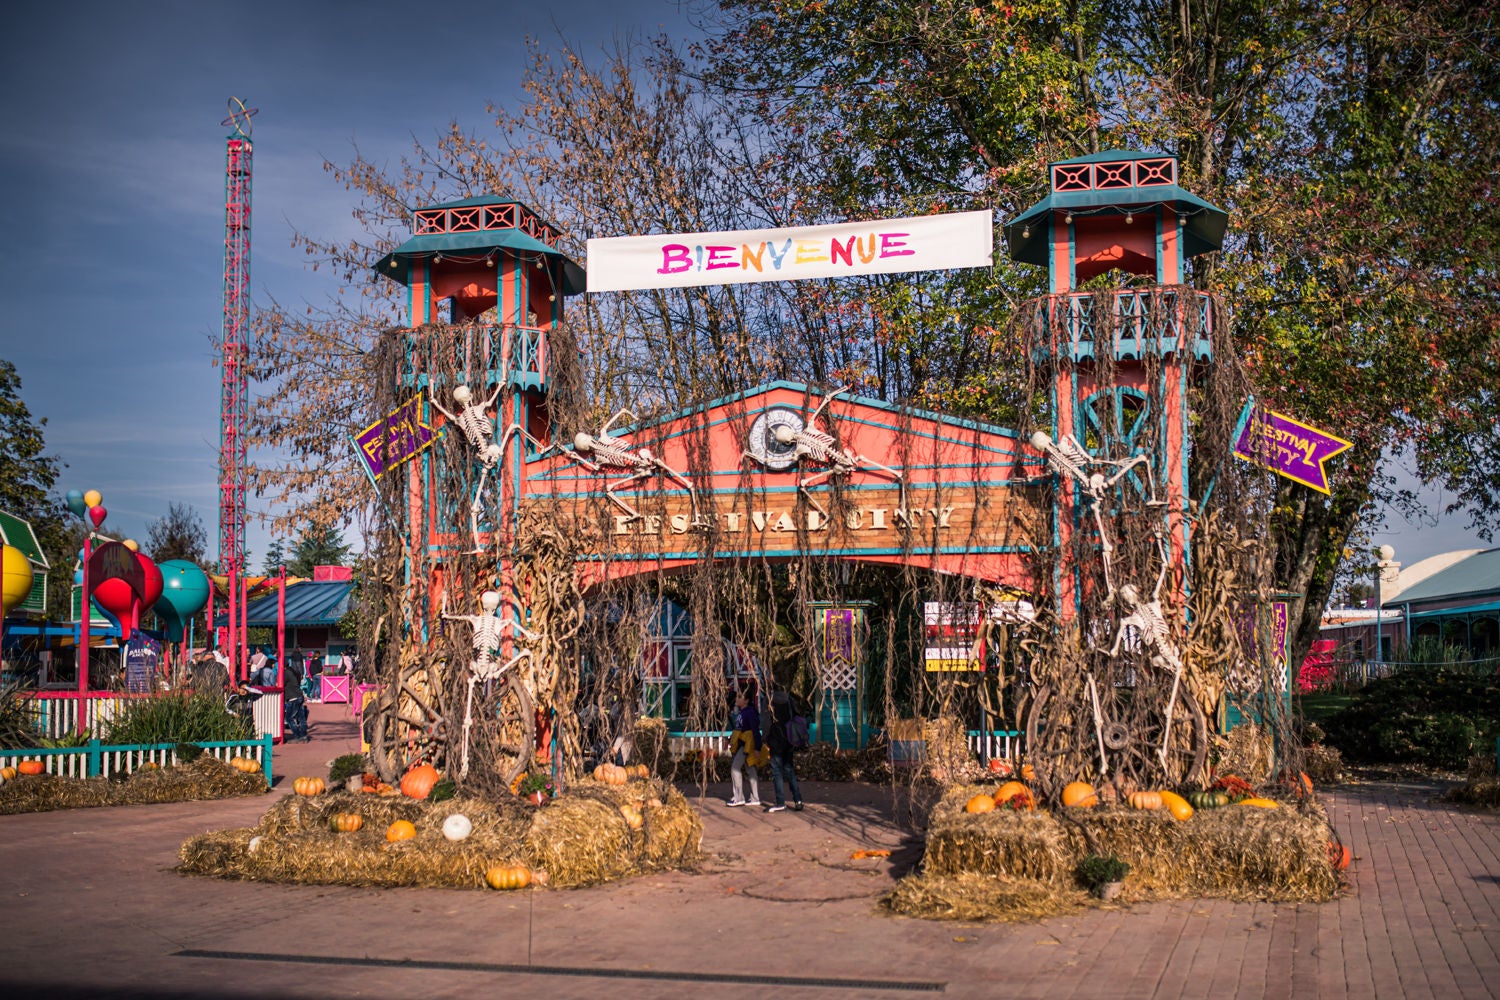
<point x="783" y="773"/>
<point x="293" y="704"/>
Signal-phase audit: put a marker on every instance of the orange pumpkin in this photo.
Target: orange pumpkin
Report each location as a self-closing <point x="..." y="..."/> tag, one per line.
<point x="1176" y="805"/>
<point x="1009" y="790"/>
<point x="8" y="773"/>
<point x="1145" y="800"/>
<point x="246" y="765"/>
<point x="402" y="829"/>
<point x="346" y="822"/>
<point x="308" y="786"/>
<point x="417" y="783"/>
<point x="508" y="877"/>
<point x="31" y="767"/>
<point x="980" y="804"/>
<point x="1080" y="794"/>
<point x="633" y="817"/>
<point x="1338" y="855"/>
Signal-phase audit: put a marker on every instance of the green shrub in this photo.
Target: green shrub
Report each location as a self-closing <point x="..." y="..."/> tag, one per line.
<point x="177" y="718"/>
<point x="1437" y="716"/>
<point x="1094" y="870"/>
<point x="20" y="727"/>
<point x="346" y="765"/>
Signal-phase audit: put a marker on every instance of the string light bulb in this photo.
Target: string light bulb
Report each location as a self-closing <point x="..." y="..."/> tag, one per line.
<point x="1182" y="218"/>
<point x="1026" y="232"/>
<point x="1068" y="218"/>
<point x="1129" y="218"/>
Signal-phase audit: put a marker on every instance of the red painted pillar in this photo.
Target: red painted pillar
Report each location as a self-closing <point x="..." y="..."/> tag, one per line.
<point x="84" y="638"/>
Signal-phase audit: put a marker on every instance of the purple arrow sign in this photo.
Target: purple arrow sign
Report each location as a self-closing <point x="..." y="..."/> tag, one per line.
<point x="1288" y="447"/>
<point x="387" y="443"/>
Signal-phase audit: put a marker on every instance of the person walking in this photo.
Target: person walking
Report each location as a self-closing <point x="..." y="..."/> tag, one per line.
<point x="783" y="771"/>
<point x="747" y="750"/>
<point x="294" y="703"/>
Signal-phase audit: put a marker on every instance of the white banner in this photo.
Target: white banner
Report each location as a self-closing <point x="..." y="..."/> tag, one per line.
<point x="881" y="246"/>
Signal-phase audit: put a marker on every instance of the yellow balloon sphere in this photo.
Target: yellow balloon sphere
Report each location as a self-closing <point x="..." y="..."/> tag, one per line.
<point x="131" y="544"/>
<point x="16" y="574"/>
<point x="93" y="498"/>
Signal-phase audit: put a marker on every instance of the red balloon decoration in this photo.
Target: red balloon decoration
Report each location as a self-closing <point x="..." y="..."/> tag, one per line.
<point x="97" y="515"/>
<point x="115" y="596"/>
<point x="154" y="581"/>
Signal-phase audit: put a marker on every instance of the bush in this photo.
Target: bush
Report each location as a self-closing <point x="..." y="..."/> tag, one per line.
<point x="1437" y="716"/>
<point x="20" y="728"/>
<point x="177" y="718"/>
<point x="1095" y="870"/>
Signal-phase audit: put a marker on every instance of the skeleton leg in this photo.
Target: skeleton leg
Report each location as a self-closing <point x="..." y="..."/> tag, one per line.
<point x="1098" y="727"/>
<point x="475" y="507"/>
<point x="463" y="766"/>
<point x="610" y="488"/>
<point x="1166" y="736"/>
<point x="687" y="484"/>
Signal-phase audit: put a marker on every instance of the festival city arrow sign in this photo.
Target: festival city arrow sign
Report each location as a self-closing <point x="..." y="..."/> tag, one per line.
<point x="387" y="443"/>
<point x="1287" y="446"/>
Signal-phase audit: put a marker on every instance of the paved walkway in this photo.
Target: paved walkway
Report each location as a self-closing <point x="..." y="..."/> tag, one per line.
<point x="89" y="907"/>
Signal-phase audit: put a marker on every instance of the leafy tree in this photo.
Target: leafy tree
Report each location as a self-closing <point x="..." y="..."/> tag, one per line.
<point x="318" y="546"/>
<point x="275" y="557"/>
<point x="1353" y="145"/>
<point x="179" y="535"/>
<point x="27" y="475"/>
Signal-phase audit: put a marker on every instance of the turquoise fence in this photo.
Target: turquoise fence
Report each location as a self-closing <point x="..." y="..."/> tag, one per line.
<point x="94" y="758"/>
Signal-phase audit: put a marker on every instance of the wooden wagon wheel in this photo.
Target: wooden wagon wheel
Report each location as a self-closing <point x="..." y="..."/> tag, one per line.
<point x="407" y="727"/>
<point x="505" y="727"/>
<point x="1062" y="743"/>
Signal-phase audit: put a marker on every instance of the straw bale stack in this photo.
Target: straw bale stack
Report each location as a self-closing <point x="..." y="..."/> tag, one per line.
<point x="204" y="778"/>
<point x="580" y="838"/>
<point x="1234" y="852"/>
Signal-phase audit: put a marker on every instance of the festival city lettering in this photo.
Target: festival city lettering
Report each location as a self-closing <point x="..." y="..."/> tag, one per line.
<point x="760" y="521"/>
<point x="387" y="443"/>
<point x="1287" y="446"/>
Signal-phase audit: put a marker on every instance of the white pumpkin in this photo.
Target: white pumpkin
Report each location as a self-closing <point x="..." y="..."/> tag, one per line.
<point x="457" y="827"/>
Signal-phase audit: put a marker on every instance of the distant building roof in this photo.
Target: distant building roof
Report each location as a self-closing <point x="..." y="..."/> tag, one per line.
<point x="1475" y="573"/>
<point x="308" y="604"/>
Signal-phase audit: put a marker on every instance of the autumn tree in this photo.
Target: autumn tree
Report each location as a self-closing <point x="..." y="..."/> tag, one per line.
<point x="1354" y="146"/>
<point x="27" y="476"/>
<point x="179" y="535"/>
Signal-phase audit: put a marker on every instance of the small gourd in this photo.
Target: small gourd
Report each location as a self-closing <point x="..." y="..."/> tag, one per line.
<point x="1176" y="805"/>
<point x="417" y="783"/>
<point x="980" y="804"/>
<point x="8" y="773"/>
<point x="1008" y="791"/>
<point x="1080" y="794"/>
<point x="633" y="817"/>
<point x="1145" y="800"/>
<point x="508" y="877"/>
<point x="346" y="822"/>
<point x="457" y="827"/>
<point x="308" y="786"/>
<point x="1260" y="803"/>
<point x="402" y="829"/>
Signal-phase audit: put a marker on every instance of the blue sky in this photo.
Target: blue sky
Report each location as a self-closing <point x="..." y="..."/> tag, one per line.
<point x="113" y="158"/>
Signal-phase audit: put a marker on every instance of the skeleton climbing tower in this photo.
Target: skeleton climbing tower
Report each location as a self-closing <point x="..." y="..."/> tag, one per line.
<point x="1120" y="333"/>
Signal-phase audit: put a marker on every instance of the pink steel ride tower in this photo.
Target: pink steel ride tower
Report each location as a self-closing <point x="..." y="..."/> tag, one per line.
<point x="234" y="388"/>
<point x="1120" y="210"/>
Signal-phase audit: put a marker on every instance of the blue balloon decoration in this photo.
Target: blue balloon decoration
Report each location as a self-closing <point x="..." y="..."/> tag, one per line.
<point x="76" y="504"/>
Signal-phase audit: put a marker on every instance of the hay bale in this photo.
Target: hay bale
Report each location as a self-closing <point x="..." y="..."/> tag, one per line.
<point x="579" y="838"/>
<point x="204" y="778"/>
<point x="1235" y="852"/>
<point x="971" y="896"/>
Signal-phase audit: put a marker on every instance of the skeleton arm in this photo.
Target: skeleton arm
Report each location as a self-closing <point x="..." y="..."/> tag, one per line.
<point x="442" y="409"/>
<point x="604" y="431"/>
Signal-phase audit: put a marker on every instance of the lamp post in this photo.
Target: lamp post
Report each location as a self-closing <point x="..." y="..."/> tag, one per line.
<point x="1386" y="556"/>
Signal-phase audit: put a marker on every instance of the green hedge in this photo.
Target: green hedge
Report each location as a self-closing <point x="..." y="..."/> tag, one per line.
<point x="1438" y="716"/>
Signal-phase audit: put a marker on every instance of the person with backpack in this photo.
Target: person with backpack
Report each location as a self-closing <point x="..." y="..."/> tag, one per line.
<point x="784" y="732"/>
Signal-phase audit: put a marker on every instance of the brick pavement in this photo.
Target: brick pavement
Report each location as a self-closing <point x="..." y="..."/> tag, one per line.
<point x="91" y="908"/>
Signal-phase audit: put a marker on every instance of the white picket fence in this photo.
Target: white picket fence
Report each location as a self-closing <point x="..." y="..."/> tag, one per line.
<point x="95" y="758"/>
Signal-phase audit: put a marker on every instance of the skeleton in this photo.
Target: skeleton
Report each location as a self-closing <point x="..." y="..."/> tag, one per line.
<point x="478" y="429"/>
<point x="816" y="445"/>
<point x="1069" y="459"/>
<point x="1152" y="635"/>
<point x="612" y="454"/>
<point x="487" y="638"/>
